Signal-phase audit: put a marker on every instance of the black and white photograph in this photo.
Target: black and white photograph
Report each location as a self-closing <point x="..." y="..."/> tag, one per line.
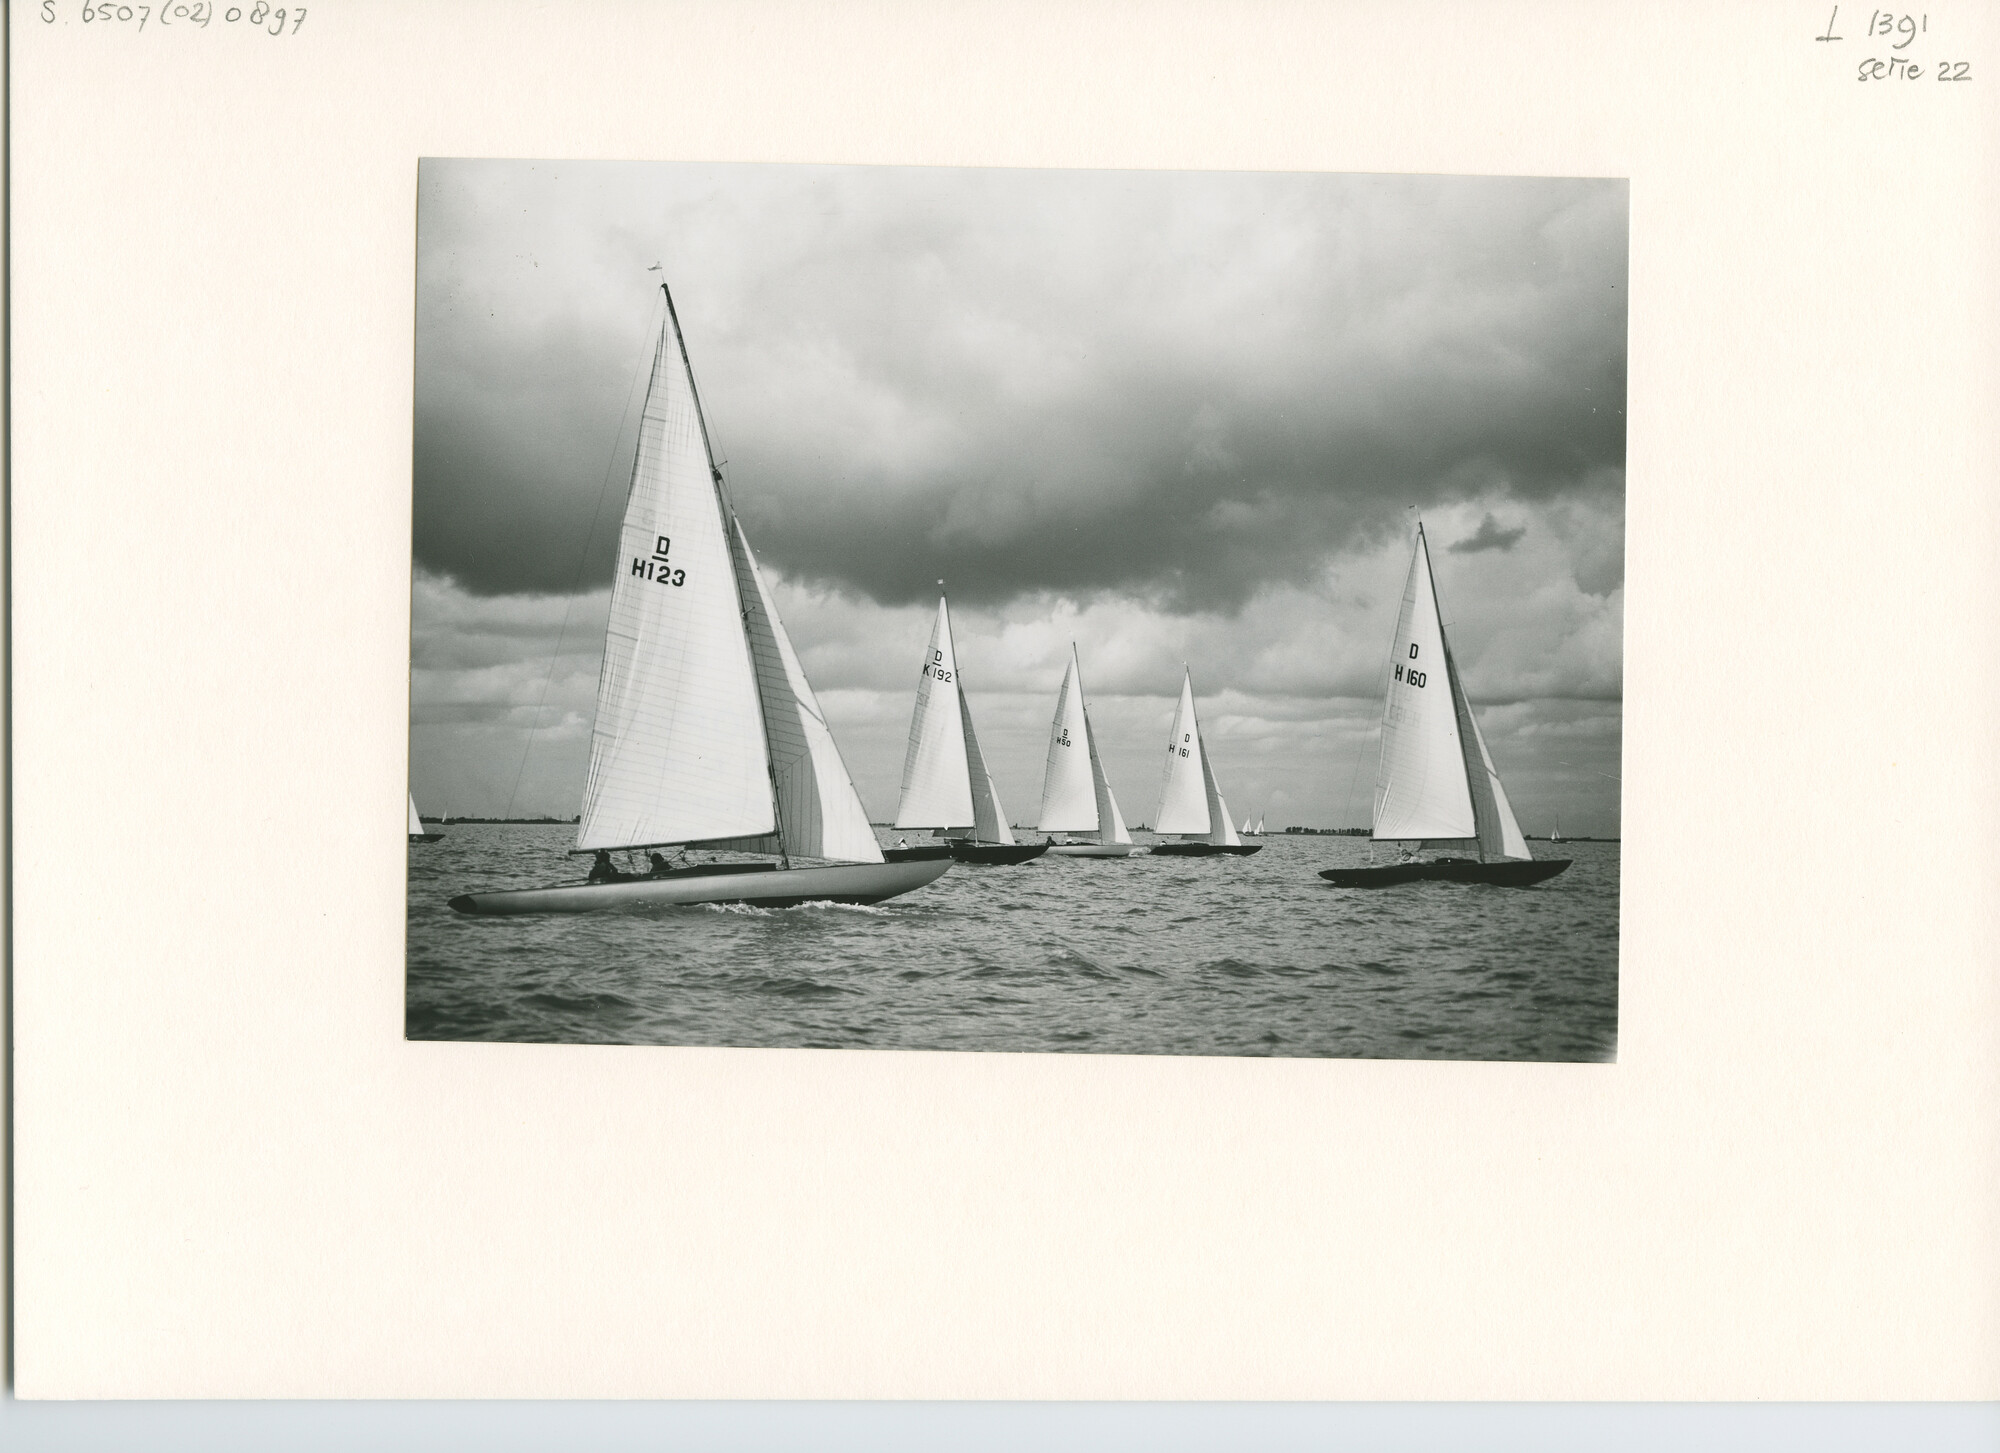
<point x="1020" y="610"/>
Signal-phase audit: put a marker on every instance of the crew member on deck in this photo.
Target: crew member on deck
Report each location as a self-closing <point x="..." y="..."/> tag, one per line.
<point x="602" y="870"/>
<point x="659" y="864"/>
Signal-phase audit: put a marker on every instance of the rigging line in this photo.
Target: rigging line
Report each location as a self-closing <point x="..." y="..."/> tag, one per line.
<point x="582" y="563"/>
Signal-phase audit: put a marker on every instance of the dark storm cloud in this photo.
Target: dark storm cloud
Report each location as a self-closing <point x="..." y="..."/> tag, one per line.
<point x="1489" y="536"/>
<point x="1171" y="386"/>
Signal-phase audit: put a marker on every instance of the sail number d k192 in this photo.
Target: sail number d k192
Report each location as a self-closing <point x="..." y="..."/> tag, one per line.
<point x="657" y="569"/>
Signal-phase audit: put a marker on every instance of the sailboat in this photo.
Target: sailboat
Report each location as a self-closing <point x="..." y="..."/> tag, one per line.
<point x="708" y="734"/>
<point x="417" y="833"/>
<point x="946" y="786"/>
<point x="1249" y="831"/>
<point x="1075" y="796"/>
<point x="1191" y="804"/>
<point x="1435" y="786"/>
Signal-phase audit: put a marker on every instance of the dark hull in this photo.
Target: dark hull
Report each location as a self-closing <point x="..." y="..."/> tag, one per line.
<point x="998" y="855"/>
<point x="1447" y="870"/>
<point x="764" y="885"/>
<point x="1205" y="850"/>
<point x="426" y="837"/>
<point x="922" y="854"/>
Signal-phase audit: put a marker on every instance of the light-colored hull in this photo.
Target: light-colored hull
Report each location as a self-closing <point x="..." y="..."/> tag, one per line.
<point x="782" y="888"/>
<point x="1097" y="850"/>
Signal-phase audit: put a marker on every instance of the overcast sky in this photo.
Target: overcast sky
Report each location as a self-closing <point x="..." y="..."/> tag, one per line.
<point x="1170" y="416"/>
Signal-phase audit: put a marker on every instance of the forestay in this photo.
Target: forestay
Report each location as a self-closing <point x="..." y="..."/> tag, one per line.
<point x="678" y="751"/>
<point x="1421" y="790"/>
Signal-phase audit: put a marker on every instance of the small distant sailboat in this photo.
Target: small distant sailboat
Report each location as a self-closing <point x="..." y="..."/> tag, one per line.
<point x="946" y="786"/>
<point x="708" y="733"/>
<point x="1191" y="804"/>
<point x="1075" y="796"/>
<point x="417" y="833"/>
<point x="1249" y="831"/>
<point x="1436" y="786"/>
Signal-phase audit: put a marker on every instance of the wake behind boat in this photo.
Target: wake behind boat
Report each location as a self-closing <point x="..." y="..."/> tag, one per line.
<point x="1191" y="804"/>
<point x="1076" y="798"/>
<point x="708" y="734"/>
<point x="1435" y="786"/>
<point x="946" y="786"/>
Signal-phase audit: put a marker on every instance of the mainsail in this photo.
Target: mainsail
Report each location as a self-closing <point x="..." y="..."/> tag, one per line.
<point x="937" y="781"/>
<point x="1076" y="797"/>
<point x="1420" y="784"/>
<point x="1069" y="796"/>
<point x="1435" y="783"/>
<point x="416" y="822"/>
<point x="1184" y="806"/>
<point x="707" y="730"/>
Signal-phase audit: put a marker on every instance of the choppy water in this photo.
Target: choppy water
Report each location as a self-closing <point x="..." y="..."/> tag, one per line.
<point x="1215" y="956"/>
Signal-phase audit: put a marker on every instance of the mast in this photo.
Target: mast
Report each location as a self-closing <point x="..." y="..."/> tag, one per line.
<point x="729" y="516"/>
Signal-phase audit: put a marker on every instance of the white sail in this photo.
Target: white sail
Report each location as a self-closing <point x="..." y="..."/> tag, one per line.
<point x="416" y="823"/>
<point x="678" y="752"/>
<point x="989" y="818"/>
<point x="1224" y="832"/>
<point x="1499" y="835"/>
<point x="819" y="813"/>
<point x="1069" y="792"/>
<point x="1184" y="804"/>
<point x="937" y="783"/>
<point x="1420" y="785"/>
<point x="1107" y="804"/>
